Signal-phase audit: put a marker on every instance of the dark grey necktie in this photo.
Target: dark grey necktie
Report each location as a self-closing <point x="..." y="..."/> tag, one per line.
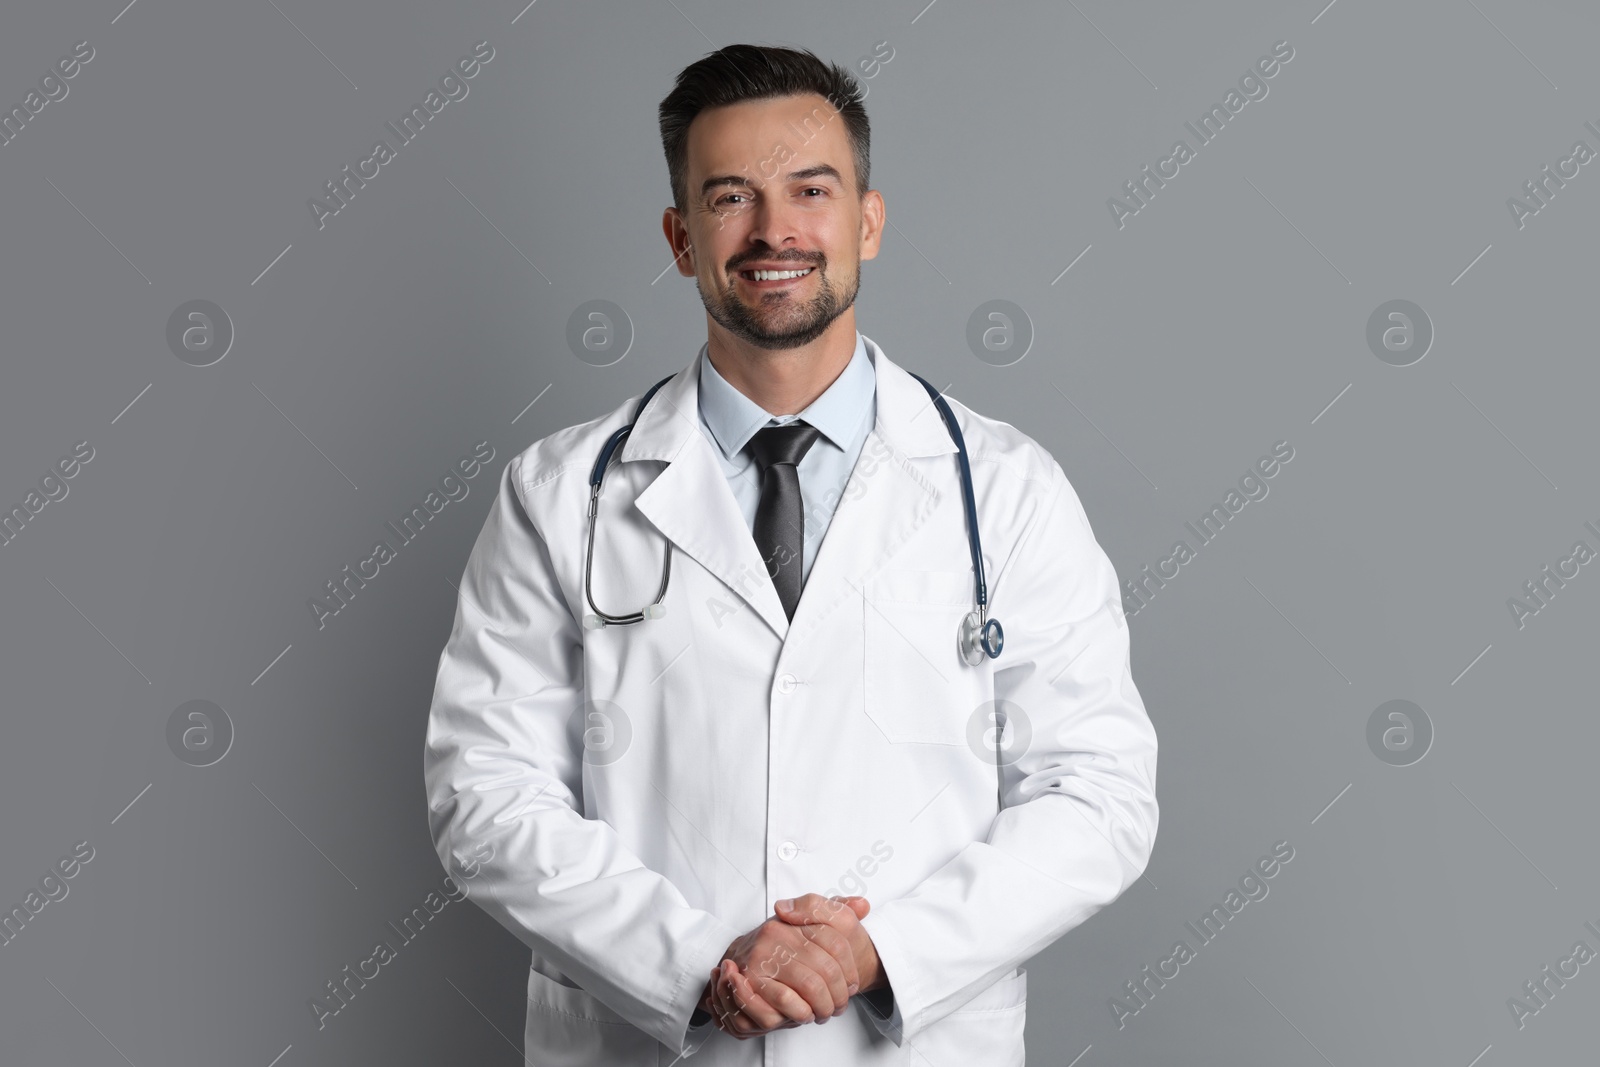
<point x="780" y="518"/>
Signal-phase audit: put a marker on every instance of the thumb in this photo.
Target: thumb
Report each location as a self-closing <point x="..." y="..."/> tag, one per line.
<point x="786" y="911"/>
<point x="860" y="905"/>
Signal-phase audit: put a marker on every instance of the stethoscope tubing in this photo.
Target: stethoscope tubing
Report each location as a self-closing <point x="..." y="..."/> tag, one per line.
<point x="596" y="476"/>
<point x="982" y="636"/>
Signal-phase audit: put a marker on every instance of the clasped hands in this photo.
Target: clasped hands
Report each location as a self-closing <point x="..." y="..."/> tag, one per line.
<point x="800" y="966"/>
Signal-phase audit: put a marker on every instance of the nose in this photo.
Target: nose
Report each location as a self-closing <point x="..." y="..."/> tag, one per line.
<point x="773" y="222"/>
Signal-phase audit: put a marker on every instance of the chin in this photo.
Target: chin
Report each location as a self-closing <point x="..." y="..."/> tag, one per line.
<point x="776" y="332"/>
<point x="778" y="337"/>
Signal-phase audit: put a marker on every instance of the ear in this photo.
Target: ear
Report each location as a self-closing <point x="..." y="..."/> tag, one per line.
<point x="677" y="234"/>
<point x="873" y="214"/>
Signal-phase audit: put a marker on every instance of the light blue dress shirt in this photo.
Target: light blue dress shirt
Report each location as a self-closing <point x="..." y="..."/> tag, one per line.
<point x="845" y="412"/>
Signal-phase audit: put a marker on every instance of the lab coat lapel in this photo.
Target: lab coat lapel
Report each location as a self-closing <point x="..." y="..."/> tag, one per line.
<point x="886" y="500"/>
<point x="690" y="501"/>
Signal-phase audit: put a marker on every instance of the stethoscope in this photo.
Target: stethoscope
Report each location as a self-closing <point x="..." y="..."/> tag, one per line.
<point x="979" y="636"/>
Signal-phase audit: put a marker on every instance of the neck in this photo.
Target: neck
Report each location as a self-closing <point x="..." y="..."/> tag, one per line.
<point x="783" y="381"/>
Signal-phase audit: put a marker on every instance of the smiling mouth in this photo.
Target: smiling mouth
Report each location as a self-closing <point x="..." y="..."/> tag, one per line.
<point x="774" y="275"/>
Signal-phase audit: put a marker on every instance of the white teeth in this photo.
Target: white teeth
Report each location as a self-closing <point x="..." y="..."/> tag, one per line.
<point x="777" y="275"/>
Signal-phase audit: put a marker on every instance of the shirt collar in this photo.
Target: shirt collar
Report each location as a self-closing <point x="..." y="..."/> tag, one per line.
<point x="734" y="418"/>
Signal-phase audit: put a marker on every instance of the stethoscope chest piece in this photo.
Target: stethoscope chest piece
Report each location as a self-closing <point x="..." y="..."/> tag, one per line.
<point x="980" y="638"/>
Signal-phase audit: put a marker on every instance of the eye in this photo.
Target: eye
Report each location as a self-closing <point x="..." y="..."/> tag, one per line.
<point x="728" y="197"/>
<point x="814" y="189"/>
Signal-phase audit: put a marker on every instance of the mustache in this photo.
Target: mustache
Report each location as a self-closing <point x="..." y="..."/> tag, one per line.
<point x="799" y="258"/>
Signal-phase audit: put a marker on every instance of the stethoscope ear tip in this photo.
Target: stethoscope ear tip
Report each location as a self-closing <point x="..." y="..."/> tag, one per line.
<point x="655" y="611"/>
<point x="593" y="622"/>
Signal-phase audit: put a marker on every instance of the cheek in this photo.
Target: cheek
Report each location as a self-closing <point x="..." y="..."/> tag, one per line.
<point x="839" y="238"/>
<point x="718" y="240"/>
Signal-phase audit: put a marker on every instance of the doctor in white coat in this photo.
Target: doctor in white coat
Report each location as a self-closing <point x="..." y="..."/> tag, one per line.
<point x="638" y="803"/>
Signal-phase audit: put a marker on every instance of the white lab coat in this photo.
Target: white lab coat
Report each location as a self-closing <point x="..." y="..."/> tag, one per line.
<point x="735" y="758"/>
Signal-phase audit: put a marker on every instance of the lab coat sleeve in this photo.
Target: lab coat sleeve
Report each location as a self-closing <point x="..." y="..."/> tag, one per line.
<point x="503" y="771"/>
<point x="1079" y="816"/>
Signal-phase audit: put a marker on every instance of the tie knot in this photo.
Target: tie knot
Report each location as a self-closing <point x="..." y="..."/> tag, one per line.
<point x="783" y="444"/>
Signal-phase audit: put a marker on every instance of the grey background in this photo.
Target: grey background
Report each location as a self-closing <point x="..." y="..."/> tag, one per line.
<point x="1227" y="315"/>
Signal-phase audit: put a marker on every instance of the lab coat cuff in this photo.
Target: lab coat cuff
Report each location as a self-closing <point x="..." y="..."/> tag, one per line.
<point x="898" y="968"/>
<point x="698" y="1031"/>
<point x="884" y="1011"/>
<point x="697" y="966"/>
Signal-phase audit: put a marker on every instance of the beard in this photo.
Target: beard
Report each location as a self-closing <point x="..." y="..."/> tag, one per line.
<point x="779" y="321"/>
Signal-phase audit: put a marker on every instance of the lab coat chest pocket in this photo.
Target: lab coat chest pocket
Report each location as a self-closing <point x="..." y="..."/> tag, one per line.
<point x="917" y="686"/>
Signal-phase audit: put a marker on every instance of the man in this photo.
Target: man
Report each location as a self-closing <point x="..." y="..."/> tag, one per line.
<point x="780" y="809"/>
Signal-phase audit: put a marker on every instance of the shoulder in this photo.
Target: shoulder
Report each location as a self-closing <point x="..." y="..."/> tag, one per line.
<point x="1006" y="451"/>
<point x="568" y="454"/>
<point x="1017" y="477"/>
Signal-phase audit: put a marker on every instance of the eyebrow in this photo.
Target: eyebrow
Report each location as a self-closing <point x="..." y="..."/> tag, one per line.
<point x="821" y="170"/>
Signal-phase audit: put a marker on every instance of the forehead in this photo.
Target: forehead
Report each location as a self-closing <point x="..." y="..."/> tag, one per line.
<point x="756" y="137"/>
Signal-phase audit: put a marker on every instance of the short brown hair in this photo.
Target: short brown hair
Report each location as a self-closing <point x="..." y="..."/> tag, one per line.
<point x="742" y="72"/>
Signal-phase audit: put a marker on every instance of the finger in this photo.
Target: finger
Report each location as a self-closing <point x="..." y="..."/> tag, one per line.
<point x="747" y="993"/>
<point x="836" y="945"/>
<point x="827" y="968"/>
<point x="838" y="908"/>
<point x="809" y="907"/>
<point x="814" y="908"/>
<point x="727" y="1010"/>
<point x="860" y="905"/>
<point x="789" y="1003"/>
<point x="744" y="997"/>
<point x="753" y="1008"/>
<point x="775" y="1021"/>
<point x="731" y="1015"/>
<point x="708" y="999"/>
<point x="734" y="1021"/>
<point x="816" y="976"/>
<point x="783" y="996"/>
<point x="798" y="980"/>
<point x="839" y="931"/>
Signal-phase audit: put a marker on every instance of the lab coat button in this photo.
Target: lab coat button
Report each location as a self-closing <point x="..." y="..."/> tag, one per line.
<point x="788" y="851"/>
<point x="786" y="683"/>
